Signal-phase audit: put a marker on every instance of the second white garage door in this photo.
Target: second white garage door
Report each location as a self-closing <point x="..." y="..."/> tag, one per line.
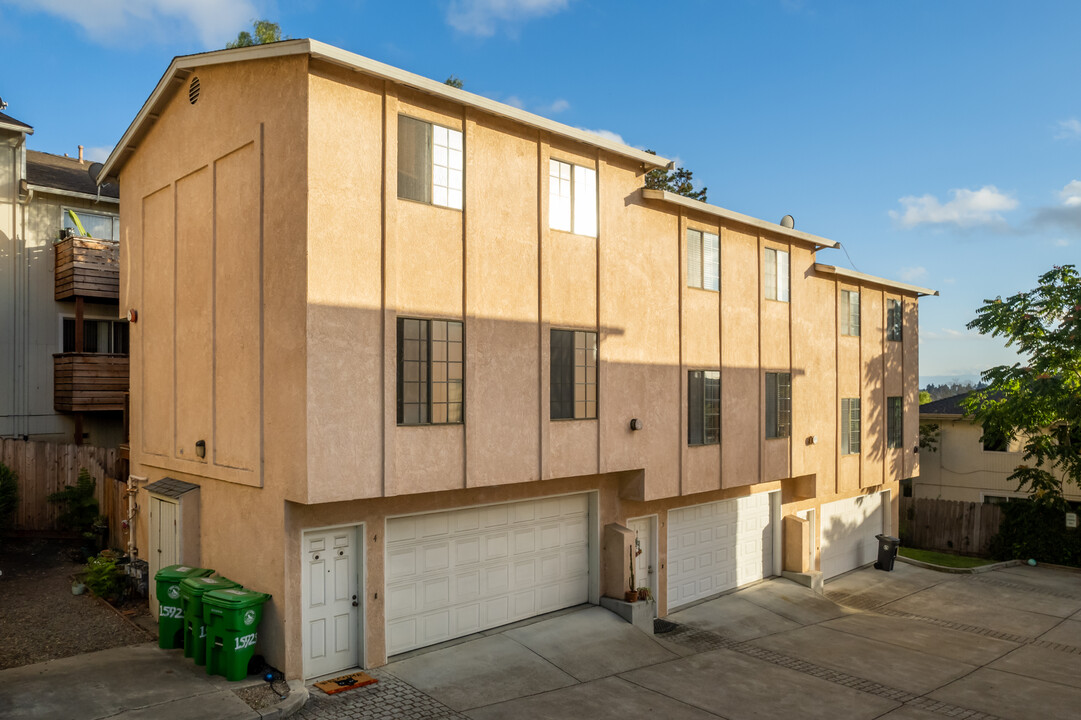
<point x="458" y="572"/>
<point x="848" y="533"/>
<point x="718" y="546"/>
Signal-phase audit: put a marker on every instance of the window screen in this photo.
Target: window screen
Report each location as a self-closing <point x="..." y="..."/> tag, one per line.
<point x="850" y="426"/>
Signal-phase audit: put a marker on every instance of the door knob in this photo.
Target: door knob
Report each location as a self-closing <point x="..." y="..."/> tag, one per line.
<point x="355" y="603"/>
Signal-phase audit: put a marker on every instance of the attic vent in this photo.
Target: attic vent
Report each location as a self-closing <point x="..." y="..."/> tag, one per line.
<point x="193" y="91"/>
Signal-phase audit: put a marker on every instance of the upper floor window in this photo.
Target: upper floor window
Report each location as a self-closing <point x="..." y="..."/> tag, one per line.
<point x="572" y="198"/>
<point x="96" y="224"/>
<point x="894" y="422"/>
<point x="429" y="163"/>
<point x="430" y="372"/>
<point x="850" y="426"/>
<point x="775" y="268"/>
<point x="893" y="320"/>
<point x="778" y="405"/>
<point x="703" y="407"/>
<point x="574" y="374"/>
<point x="99" y="336"/>
<point x="850" y="312"/>
<point x="703" y="260"/>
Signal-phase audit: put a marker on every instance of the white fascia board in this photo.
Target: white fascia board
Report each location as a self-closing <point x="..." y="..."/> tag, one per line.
<point x="182" y="65"/>
<point x="17" y="128"/>
<point x="858" y="277"/>
<point x="73" y="194"/>
<point x="725" y="214"/>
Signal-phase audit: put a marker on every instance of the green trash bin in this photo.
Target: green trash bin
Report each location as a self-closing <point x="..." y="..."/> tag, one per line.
<point x="232" y="621"/>
<point x="170" y="614"/>
<point x="191" y="602"/>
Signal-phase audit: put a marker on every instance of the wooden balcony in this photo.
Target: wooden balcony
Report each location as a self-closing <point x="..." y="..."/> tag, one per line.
<point x="88" y="267"/>
<point x="87" y="382"/>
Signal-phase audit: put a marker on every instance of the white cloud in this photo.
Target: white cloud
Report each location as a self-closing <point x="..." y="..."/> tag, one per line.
<point x="607" y="135"/>
<point x="950" y="332"/>
<point x="1071" y="194"/>
<point x="515" y="101"/>
<point x="1068" y="129"/>
<point x="912" y="274"/>
<point x="1062" y="242"/>
<point x="558" y="106"/>
<point x="1065" y="215"/>
<point x="97" y="154"/>
<point x="110" y="22"/>
<point x="965" y="208"/>
<point x="480" y="17"/>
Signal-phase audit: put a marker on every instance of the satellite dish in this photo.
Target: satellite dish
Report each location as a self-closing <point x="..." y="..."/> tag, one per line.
<point x="3" y="105"/>
<point x="95" y="170"/>
<point x="788" y="222"/>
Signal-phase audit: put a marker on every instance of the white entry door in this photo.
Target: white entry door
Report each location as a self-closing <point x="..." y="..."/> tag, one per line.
<point x="849" y="528"/>
<point x="646" y="562"/>
<point x="164" y="540"/>
<point x="719" y="546"/>
<point x="332" y="601"/>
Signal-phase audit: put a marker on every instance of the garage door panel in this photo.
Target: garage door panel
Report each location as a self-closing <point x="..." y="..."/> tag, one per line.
<point x="486" y="567"/>
<point x="718" y="546"/>
<point x="849" y="528"/>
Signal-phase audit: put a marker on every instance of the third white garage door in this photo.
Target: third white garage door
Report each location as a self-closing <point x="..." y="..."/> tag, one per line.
<point x="848" y="533"/>
<point x="458" y="572"/>
<point x="719" y="546"/>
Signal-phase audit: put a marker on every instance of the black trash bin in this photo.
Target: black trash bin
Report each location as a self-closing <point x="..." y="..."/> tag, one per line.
<point x="887" y="552"/>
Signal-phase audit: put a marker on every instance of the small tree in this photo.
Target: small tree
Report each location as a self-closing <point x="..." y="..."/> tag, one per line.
<point x="78" y="506"/>
<point x="1041" y="399"/>
<point x="679" y="181"/>
<point x="265" y="32"/>
<point x="455" y="82"/>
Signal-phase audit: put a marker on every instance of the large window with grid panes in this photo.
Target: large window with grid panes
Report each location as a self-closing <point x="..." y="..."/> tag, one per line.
<point x="431" y="379"/>
<point x="703" y="260"/>
<point x="703" y="407"/>
<point x="573" y="374"/>
<point x="572" y="198"/>
<point x="430" y="162"/>
<point x="775" y="274"/>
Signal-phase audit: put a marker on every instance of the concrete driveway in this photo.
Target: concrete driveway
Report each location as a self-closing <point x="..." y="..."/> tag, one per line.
<point x="913" y="644"/>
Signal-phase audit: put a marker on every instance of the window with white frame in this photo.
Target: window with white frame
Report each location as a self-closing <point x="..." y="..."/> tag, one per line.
<point x="775" y="270"/>
<point x="850" y="426"/>
<point x="99" y="336"/>
<point x="103" y="226"/>
<point x="703" y="260"/>
<point x="572" y="198"/>
<point x="850" y="312"/>
<point x="429" y="163"/>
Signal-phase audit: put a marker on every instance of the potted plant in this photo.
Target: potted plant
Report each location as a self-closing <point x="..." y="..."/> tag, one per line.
<point x="643" y="593"/>
<point x="631" y="595"/>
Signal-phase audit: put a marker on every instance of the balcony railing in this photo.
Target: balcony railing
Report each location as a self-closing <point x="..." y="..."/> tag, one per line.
<point x="86" y="382"/>
<point x="87" y="267"/>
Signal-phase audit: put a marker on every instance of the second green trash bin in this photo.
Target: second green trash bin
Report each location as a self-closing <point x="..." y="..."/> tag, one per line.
<point x="232" y="622"/>
<point x="170" y="614"/>
<point x="191" y="601"/>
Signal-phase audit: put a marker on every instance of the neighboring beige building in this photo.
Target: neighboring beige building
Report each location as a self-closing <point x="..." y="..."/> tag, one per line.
<point x="63" y="369"/>
<point x="965" y="466"/>
<point x="419" y="359"/>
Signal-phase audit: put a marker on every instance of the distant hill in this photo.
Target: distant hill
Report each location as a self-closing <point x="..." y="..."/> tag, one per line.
<point x="945" y="390"/>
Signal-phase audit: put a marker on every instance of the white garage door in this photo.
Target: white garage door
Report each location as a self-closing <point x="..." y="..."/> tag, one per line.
<point x="848" y="533"/>
<point x="458" y="572"/>
<point x="718" y="546"/>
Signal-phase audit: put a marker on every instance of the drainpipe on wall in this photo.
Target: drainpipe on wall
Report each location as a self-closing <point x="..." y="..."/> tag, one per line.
<point x="133" y="509"/>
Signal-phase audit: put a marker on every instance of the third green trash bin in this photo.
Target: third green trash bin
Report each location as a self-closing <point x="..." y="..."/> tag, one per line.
<point x="232" y="621"/>
<point x="887" y="552"/>
<point x="191" y="603"/>
<point x="170" y="614"/>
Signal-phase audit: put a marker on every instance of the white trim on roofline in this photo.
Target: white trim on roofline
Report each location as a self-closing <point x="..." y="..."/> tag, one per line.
<point x="182" y="65"/>
<point x="858" y="277"/>
<point x="72" y="193"/>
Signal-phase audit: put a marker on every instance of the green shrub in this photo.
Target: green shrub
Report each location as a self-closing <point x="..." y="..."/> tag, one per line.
<point x="1031" y="530"/>
<point x="9" y="496"/>
<point x="79" y="507"/>
<point x="103" y="577"/>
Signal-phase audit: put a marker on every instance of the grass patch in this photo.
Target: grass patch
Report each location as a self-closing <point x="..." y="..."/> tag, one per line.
<point x="944" y="559"/>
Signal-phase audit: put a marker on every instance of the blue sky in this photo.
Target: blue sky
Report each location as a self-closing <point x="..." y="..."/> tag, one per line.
<point x="938" y="142"/>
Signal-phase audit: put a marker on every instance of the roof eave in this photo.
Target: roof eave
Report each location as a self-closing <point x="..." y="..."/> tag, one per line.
<point x="717" y="211"/>
<point x="180" y="67"/>
<point x="860" y="277"/>
<point x="17" y="128"/>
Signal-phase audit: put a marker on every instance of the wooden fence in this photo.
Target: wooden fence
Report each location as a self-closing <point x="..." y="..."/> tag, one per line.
<point x="949" y="525"/>
<point x="44" y="468"/>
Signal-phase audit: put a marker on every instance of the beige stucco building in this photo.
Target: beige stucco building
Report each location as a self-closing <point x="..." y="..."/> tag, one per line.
<point x="63" y="364"/>
<point x="430" y="364"/>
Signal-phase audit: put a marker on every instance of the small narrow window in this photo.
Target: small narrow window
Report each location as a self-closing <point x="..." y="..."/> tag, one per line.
<point x="893" y="320"/>
<point x="430" y="372"/>
<point x="703" y="260"/>
<point x="429" y="163"/>
<point x="778" y="405"/>
<point x="850" y="312"/>
<point x="894" y="422"/>
<point x="572" y="198"/>
<point x="573" y="374"/>
<point x="775" y="270"/>
<point x="850" y="426"/>
<point x="703" y="407"/>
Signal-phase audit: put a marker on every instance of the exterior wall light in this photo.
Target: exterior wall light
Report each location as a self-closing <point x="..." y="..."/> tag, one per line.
<point x="200" y="448"/>
<point x="636" y="424"/>
<point x="812" y="440"/>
